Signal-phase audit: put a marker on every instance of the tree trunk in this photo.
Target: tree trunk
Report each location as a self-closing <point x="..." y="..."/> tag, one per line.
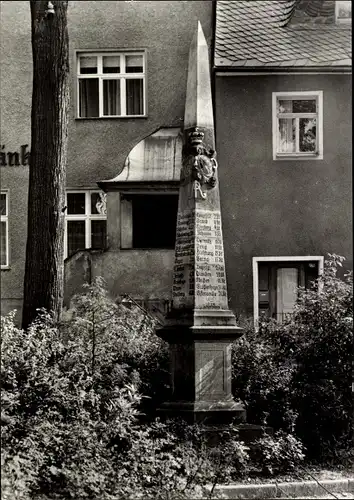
<point x="44" y="271"/>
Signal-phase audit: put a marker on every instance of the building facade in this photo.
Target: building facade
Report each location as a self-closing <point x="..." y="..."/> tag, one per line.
<point x="282" y="105"/>
<point x="128" y="65"/>
<point x="283" y="136"/>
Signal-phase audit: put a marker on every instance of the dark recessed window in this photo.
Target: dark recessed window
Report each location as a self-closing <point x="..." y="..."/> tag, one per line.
<point x="149" y="221"/>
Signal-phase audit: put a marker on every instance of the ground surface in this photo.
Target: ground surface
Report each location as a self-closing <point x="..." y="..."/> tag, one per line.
<point x="344" y="495"/>
<point x="309" y="472"/>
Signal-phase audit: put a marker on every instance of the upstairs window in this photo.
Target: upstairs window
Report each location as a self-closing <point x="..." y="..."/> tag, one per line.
<point x="111" y="84"/>
<point x="343" y="12"/>
<point x="4" y="232"/>
<point x="297" y="125"/>
<point x="86" y="221"/>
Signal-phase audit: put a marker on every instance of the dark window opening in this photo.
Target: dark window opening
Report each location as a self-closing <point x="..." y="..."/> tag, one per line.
<point x="154" y="221"/>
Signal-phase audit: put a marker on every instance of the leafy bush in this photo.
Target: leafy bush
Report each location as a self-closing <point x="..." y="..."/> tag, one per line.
<point x="280" y="453"/>
<point x="135" y="353"/>
<point x="296" y="376"/>
<point x="71" y="405"/>
<point x="72" y="399"/>
<point x="262" y="377"/>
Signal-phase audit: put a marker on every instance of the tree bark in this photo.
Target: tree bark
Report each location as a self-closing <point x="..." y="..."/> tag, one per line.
<point x="44" y="270"/>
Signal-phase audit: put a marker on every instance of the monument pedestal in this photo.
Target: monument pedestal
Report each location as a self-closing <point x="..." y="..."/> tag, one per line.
<point x="201" y="374"/>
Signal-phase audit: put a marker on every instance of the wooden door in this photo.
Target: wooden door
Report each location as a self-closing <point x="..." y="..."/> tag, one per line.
<point x="287" y="283"/>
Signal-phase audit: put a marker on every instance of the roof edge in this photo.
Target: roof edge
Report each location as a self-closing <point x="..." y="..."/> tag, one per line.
<point x="282" y="69"/>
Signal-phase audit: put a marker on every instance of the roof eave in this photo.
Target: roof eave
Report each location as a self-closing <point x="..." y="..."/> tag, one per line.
<point x="282" y="69"/>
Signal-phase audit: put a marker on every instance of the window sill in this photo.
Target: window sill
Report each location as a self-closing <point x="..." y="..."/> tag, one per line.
<point x="298" y="157"/>
<point x="5" y="268"/>
<point x="79" y="118"/>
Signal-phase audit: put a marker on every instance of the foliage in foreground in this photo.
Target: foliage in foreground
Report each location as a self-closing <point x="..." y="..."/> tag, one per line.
<point x="296" y="376"/>
<point x="72" y="401"/>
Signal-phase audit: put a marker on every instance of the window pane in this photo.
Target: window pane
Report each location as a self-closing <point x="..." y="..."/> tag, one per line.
<point x="3" y="237"/>
<point x="98" y="203"/>
<point x="88" y="98"/>
<point x="111" y="64"/>
<point x="263" y="276"/>
<point x="297" y="106"/>
<point x="134" y="97"/>
<point x="344" y="10"/>
<point x="285" y="106"/>
<point x="311" y="274"/>
<point x="88" y="64"/>
<point x="134" y="64"/>
<point x="307" y="135"/>
<point x="308" y="106"/>
<point x="98" y="233"/>
<point x="76" y="236"/>
<point x="111" y="97"/>
<point x="76" y="203"/>
<point x="3" y="204"/>
<point x="286" y="135"/>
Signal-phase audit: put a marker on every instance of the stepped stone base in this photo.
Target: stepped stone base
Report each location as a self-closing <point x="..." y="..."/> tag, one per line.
<point x="251" y="432"/>
<point x="204" y="412"/>
<point x="248" y="433"/>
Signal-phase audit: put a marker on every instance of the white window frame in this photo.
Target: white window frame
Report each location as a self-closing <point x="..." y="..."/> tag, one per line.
<point x="340" y="20"/>
<point x="87" y="217"/>
<point x="318" y="95"/>
<point x="5" y="218"/>
<point x="123" y="76"/>
<point x="256" y="260"/>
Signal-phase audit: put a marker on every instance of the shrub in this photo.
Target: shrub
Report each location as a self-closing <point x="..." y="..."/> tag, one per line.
<point x="72" y="408"/>
<point x="277" y="454"/>
<point x="135" y="353"/>
<point x="296" y="376"/>
<point x="262" y="376"/>
<point x="323" y="331"/>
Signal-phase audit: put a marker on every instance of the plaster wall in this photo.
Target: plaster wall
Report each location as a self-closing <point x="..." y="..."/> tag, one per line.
<point x="280" y="208"/>
<point x="143" y="274"/>
<point x="97" y="147"/>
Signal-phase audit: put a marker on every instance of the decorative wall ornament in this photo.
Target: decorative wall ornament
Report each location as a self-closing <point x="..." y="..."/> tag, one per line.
<point x="101" y="205"/>
<point x="199" y="164"/>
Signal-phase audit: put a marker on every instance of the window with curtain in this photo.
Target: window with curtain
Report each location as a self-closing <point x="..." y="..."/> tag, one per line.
<point x="4" y="230"/>
<point x="343" y="11"/>
<point x="111" y="84"/>
<point x="86" y="221"/>
<point x="297" y="125"/>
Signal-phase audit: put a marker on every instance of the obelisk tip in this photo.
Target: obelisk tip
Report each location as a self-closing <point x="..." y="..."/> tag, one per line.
<point x="198" y="108"/>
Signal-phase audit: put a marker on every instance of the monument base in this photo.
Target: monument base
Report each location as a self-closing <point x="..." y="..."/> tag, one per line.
<point x="201" y="374"/>
<point x="247" y="433"/>
<point x="208" y="413"/>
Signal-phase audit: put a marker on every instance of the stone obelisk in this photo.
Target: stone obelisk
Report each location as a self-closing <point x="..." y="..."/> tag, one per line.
<point x="200" y="327"/>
